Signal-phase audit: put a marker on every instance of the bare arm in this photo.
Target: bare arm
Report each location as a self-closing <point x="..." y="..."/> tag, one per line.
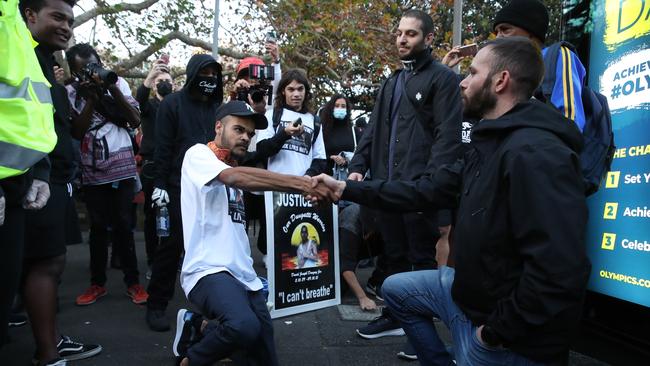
<point x="253" y="179"/>
<point x="364" y="302"/>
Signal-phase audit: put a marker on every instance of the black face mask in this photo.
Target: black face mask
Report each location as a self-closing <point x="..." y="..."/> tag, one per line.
<point x="206" y="85"/>
<point x="164" y="88"/>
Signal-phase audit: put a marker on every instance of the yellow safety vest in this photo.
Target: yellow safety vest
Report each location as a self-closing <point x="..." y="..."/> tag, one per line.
<point x="26" y="111"/>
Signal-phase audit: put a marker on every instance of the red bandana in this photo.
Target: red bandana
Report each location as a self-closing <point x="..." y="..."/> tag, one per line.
<point x="222" y="154"/>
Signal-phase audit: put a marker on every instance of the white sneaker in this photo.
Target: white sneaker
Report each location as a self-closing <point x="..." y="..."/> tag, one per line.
<point x="264" y="259"/>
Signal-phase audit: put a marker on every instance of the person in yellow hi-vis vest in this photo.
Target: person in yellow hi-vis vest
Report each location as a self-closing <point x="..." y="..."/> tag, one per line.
<point x="26" y="137"/>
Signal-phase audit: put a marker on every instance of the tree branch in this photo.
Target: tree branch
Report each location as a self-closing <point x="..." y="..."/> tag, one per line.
<point x="117" y="8"/>
<point x="125" y="66"/>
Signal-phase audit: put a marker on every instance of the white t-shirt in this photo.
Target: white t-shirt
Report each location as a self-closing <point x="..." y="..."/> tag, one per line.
<point x="214" y="223"/>
<point x="297" y="153"/>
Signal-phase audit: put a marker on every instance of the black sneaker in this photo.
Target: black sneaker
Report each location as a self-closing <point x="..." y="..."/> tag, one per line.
<point x="374" y="290"/>
<point x="17" y="320"/>
<point x="157" y="320"/>
<point x="408" y="353"/>
<point x="383" y="326"/>
<point x="70" y="350"/>
<point x="188" y="331"/>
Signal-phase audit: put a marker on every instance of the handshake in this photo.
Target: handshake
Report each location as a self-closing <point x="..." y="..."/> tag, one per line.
<point x="325" y="189"/>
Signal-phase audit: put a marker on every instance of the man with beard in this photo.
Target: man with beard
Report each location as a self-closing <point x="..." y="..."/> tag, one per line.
<point x="184" y="119"/>
<point x="218" y="275"/>
<point x="416" y="123"/>
<point x="516" y="293"/>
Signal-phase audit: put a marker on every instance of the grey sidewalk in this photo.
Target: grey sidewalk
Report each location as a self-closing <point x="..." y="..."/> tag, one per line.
<point x="315" y="338"/>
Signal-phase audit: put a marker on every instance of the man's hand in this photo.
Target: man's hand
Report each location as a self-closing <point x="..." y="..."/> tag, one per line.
<point x="291" y="130"/>
<point x="325" y="189"/>
<point x="158" y="67"/>
<point x="59" y="74"/>
<point x="273" y="50"/>
<point x="453" y="57"/>
<point x="338" y="159"/>
<point x="159" y="198"/>
<point x="355" y="176"/>
<point x="37" y="195"/>
<point x="442" y="246"/>
<point x="3" y="203"/>
<point x="367" y="304"/>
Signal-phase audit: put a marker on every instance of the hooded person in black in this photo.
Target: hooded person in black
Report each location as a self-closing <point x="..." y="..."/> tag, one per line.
<point x="184" y="118"/>
<point x="521" y="264"/>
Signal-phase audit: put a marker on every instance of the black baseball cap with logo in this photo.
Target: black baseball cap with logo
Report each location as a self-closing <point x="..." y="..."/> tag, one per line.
<point x="242" y="109"/>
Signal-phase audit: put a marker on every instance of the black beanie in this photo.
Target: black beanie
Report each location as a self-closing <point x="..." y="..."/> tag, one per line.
<point x="530" y="15"/>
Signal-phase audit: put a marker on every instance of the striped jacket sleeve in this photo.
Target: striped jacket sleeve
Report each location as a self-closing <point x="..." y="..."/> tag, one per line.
<point x="567" y="92"/>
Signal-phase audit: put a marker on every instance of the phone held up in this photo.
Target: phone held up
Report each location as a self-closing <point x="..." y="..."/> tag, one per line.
<point x="468" y="50"/>
<point x="271" y="37"/>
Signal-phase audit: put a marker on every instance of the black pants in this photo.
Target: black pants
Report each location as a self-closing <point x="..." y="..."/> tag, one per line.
<point x="242" y="323"/>
<point x="110" y="205"/>
<point x="150" y="235"/>
<point x="409" y="241"/>
<point x="12" y="237"/>
<point x="255" y="210"/>
<point x="167" y="258"/>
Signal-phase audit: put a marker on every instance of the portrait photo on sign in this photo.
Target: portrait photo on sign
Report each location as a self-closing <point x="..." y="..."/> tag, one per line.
<point x="306" y="249"/>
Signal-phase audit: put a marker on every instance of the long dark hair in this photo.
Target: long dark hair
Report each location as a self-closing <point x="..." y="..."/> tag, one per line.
<point x="327" y="114"/>
<point x="287" y="77"/>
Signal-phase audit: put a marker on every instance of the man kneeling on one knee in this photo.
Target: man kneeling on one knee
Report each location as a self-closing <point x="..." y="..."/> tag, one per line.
<point x="218" y="275"/>
<point x="515" y="296"/>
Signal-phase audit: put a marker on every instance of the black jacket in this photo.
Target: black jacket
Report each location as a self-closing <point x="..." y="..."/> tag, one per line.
<point x="521" y="263"/>
<point x="428" y="128"/>
<point x="181" y="122"/>
<point x="148" y="111"/>
<point x="62" y="157"/>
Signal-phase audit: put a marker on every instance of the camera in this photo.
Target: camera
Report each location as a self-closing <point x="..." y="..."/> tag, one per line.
<point x="264" y="74"/>
<point x="107" y="76"/>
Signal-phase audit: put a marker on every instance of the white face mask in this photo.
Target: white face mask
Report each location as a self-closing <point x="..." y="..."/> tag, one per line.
<point x="340" y="113"/>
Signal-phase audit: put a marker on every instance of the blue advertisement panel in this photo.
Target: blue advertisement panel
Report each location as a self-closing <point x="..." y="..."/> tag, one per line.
<point x="618" y="234"/>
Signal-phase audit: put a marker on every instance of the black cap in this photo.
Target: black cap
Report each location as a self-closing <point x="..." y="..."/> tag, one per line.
<point x="242" y="109"/>
<point x="530" y="15"/>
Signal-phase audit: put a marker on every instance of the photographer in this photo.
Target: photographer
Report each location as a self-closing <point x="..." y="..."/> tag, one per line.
<point x="256" y="89"/>
<point x="102" y="106"/>
<point x="160" y="81"/>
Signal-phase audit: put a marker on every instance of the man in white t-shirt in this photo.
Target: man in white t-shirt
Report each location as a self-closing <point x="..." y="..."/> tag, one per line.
<point x="292" y="126"/>
<point x="218" y="275"/>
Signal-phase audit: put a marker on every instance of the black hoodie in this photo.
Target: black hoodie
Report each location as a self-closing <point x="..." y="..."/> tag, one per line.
<point x="521" y="263"/>
<point x="183" y="121"/>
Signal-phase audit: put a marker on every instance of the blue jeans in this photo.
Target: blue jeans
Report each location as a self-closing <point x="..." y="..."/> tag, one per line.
<point x="243" y="324"/>
<point x="414" y="298"/>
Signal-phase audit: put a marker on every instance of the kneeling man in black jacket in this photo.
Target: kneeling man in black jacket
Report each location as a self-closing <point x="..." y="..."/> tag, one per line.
<point x="516" y="293"/>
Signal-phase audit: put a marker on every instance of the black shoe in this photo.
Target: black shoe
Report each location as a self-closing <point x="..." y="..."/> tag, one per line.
<point x="383" y="326"/>
<point x="374" y="290"/>
<point x="188" y="331"/>
<point x="408" y="353"/>
<point x="70" y="350"/>
<point x="17" y="320"/>
<point x="157" y="320"/>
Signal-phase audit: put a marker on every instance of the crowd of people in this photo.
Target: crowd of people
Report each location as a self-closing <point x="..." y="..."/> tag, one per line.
<point x="471" y="231"/>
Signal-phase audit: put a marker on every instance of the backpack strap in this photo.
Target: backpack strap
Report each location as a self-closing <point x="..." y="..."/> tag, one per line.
<point x="550" y="65"/>
<point x="317" y="124"/>
<point x="277" y="114"/>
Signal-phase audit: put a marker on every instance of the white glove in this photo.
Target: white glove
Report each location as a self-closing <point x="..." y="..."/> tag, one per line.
<point x="37" y="195"/>
<point x="2" y="210"/>
<point x="159" y="197"/>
